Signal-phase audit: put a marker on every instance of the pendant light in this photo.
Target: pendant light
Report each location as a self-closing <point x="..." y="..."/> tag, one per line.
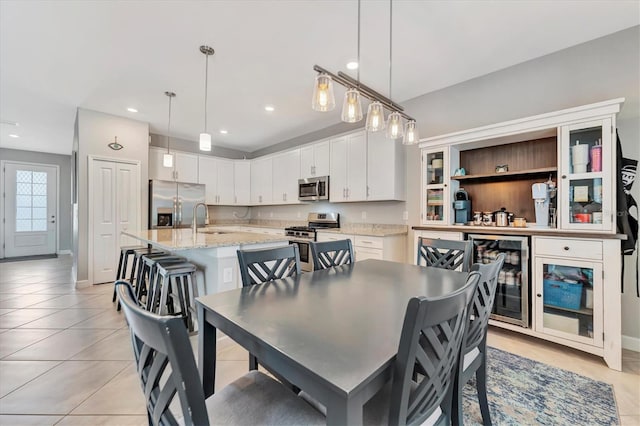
<point x="352" y="105"/>
<point x="323" y="97"/>
<point x="205" y="138"/>
<point x="394" y="123"/>
<point x="167" y="159"/>
<point x="411" y="136"/>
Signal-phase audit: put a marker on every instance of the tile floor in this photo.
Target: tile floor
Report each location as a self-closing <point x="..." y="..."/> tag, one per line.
<point x="66" y="359"/>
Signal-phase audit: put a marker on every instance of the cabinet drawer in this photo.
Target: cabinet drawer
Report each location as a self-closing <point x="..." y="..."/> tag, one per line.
<point x="331" y="236"/>
<point x="368" y="253"/>
<point x="566" y="247"/>
<point x="369" y="242"/>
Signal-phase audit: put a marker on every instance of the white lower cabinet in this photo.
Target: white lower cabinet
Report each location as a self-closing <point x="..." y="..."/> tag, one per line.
<point x="572" y="301"/>
<point x="371" y="247"/>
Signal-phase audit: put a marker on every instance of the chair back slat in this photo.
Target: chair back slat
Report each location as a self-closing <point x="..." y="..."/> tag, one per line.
<point x="331" y="253"/>
<point x="262" y="265"/>
<point x="431" y="337"/>
<point x="446" y="254"/>
<point x="165" y="363"/>
<point x="482" y="302"/>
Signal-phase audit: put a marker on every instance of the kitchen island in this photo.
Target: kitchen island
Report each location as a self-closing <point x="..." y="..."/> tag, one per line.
<point x="212" y="251"/>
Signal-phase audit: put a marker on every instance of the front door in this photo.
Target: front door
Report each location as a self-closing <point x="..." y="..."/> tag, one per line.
<point x="31" y="197"/>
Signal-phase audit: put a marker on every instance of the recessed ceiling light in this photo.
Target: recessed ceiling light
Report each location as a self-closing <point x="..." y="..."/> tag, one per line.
<point x="353" y="65"/>
<point x="223" y="131"/>
<point x="132" y="109"/>
<point x="269" y="108"/>
<point x="13" y="135"/>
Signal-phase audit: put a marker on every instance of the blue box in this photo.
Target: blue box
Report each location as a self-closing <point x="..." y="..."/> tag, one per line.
<point x="562" y="294"/>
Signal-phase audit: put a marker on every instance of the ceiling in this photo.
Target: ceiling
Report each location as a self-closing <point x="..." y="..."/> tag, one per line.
<point x="107" y="56"/>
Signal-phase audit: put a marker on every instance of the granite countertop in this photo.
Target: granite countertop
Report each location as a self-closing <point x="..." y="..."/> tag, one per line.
<point x="529" y="230"/>
<point x="369" y="229"/>
<point x="183" y="239"/>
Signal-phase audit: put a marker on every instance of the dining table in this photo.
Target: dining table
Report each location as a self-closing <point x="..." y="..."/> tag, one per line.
<point x="333" y="333"/>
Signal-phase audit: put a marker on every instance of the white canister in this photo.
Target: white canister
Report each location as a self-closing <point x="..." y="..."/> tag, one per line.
<point x="580" y="157"/>
<point x="436" y="163"/>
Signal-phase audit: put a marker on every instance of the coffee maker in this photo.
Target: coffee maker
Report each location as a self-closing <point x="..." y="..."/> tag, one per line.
<point x="540" y="194"/>
<point x="462" y="207"/>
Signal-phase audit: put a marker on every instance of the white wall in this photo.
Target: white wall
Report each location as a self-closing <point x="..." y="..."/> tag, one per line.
<point x="95" y="130"/>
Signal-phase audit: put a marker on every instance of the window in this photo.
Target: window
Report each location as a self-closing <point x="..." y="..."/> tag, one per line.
<point x="31" y="201"/>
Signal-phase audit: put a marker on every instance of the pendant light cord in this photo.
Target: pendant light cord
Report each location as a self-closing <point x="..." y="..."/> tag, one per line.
<point x="390" y="44"/>
<point x="206" y="87"/>
<point x="358" y="72"/>
<point x="169" y="127"/>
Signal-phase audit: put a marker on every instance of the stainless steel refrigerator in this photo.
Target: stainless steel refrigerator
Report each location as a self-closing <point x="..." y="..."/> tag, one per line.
<point x="171" y="204"/>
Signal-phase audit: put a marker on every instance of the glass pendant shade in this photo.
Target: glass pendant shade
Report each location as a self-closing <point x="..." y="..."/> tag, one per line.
<point x="394" y="126"/>
<point x="167" y="160"/>
<point x="411" y="136"/>
<point x="375" y="117"/>
<point x="352" y="107"/>
<point x="205" y="142"/>
<point x="323" y="98"/>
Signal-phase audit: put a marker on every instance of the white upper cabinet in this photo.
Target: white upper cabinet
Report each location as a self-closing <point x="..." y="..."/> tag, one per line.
<point x="286" y="172"/>
<point x="314" y="159"/>
<point x="217" y="175"/>
<point x="348" y="175"/>
<point x="261" y="181"/>
<point x="242" y="182"/>
<point x="185" y="166"/>
<point x="385" y="168"/>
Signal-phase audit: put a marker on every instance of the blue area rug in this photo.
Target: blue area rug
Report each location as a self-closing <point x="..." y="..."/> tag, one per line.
<point x="526" y="392"/>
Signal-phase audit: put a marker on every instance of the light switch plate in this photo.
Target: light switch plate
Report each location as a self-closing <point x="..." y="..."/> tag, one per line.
<point x="227" y="275"/>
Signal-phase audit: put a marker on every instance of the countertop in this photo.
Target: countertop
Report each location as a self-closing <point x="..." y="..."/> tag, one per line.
<point x="529" y="230"/>
<point x="367" y="229"/>
<point x="183" y="239"/>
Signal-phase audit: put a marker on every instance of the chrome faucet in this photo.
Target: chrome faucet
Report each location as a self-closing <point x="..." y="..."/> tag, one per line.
<point x="194" y="225"/>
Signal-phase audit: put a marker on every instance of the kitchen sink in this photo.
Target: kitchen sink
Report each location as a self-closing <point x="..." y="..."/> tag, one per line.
<point x="212" y="231"/>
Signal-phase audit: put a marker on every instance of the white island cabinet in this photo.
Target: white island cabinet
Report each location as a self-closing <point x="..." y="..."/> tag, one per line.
<point x="390" y="247"/>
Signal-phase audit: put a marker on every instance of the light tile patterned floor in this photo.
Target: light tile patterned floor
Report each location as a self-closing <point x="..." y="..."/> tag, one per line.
<point x="66" y="359"/>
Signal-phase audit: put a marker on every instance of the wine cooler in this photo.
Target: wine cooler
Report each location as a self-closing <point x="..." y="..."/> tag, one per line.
<point x="512" y="297"/>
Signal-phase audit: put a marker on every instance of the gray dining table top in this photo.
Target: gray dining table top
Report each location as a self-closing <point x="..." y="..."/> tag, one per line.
<point x="342" y="324"/>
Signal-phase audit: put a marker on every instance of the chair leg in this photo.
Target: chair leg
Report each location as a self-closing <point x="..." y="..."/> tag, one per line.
<point x="456" y="403"/>
<point x="253" y="362"/>
<point x="481" y="386"/>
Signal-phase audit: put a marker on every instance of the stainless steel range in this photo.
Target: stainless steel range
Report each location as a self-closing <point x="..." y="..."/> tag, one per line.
<point x="302" y="235"/>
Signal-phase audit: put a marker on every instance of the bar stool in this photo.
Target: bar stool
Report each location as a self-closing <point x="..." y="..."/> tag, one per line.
<point x="178" y="281"/>
<point x="150" y="266"/>
<point x="146" y="271"/>
<point x="121" y="274"/>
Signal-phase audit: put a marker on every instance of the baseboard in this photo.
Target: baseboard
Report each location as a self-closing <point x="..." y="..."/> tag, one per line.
<point x="82" y="284"/>
<point x="64" y="252"/>
<point x="631" y="343"/>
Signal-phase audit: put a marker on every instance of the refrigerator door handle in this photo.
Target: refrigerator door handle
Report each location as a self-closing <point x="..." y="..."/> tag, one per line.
<point x="175" y="211"/>
<point x="180" y="212"/>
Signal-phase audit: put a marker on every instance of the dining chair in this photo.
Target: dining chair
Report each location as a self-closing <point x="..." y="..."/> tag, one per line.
<point x="431" y="338"/>
<point x="167" y="368"/>
<point x="261" y="265"/>
<point x="329" y="254"/>
<point x="446" y="254"/>
<point x="258" y="266"/>
<point x="473" y="358"/>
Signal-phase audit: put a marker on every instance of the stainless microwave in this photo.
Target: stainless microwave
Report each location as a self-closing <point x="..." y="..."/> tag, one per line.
<point x="313" y="189"/>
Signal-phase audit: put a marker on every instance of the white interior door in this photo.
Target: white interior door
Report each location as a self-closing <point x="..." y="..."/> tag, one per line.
<point x="31" y="203"/>
<point x="127" y="203"/>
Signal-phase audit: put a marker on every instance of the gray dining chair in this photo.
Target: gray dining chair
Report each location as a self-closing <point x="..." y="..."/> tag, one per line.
<point x="431" y="338"/>
<point x="446" y="254"/>
<point x="258" y="266"/>
<point x="261" y="265"/>
<point x="473" y="359"/>
<point x="329" y="254"/>
<point x="167" y="368"/>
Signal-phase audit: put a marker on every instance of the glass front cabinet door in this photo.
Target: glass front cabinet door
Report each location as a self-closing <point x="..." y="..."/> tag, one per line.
<point x="568" y="299"/>
<point x="587" y="167"/>
<point x="436" y="202"/>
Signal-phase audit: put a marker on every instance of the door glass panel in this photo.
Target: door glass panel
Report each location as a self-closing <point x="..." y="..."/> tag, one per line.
<point x="435" y="168"/>
<point x="568" y="299"/>
<point x="435" y="204"/>
<point x="31" y="201"/>
<point x="585" y="150"/>
<point x="585" y="200"/>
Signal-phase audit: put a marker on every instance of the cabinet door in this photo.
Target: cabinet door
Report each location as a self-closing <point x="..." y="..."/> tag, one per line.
<point x="186" y="167"/>
<point x="292" y="174"/>
<point x="208" y="175"/>
<point x="280" y="176"/>
<point x="338" y="166"/>
<point x="156" y="169"/>
<point x="381" y="179"/>
<point x="357" y="167"/>
<point x="242" y="182"/>
<point x="226" y="190"/>
<point x="261" y="181"/>
<point x="568" y="300"/>
<point x="306" y="161"/>
<point x="435" y="190"/>
<point x="587" y="164"/>
<point x="321" y="158"/>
